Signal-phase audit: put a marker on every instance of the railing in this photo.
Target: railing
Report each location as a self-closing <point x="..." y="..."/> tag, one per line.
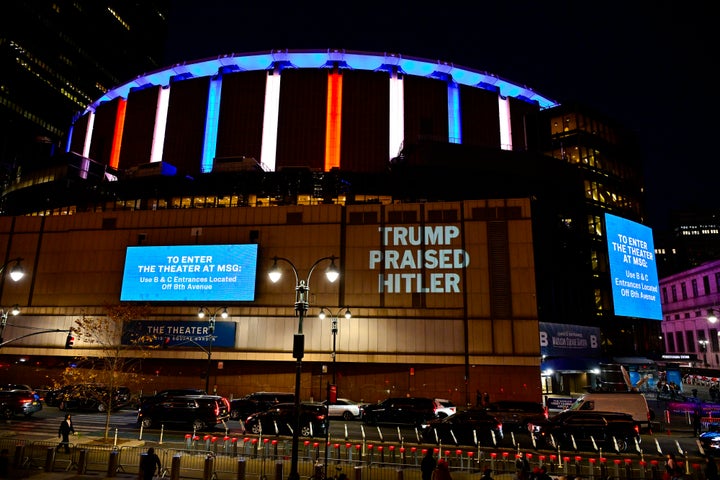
<point x="260" y="458"/>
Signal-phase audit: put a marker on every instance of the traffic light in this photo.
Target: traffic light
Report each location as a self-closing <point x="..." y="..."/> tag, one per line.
<point x="70" y="340"/>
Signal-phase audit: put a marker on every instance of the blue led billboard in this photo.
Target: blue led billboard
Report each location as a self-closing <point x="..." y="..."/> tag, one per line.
<point x="633" y="270"/>
<point x="190" y="273"/>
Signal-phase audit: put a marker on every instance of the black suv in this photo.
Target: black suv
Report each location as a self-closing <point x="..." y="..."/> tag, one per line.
<point x="514" y="414"/>
<point x="279" y="420"/>
<point x="241" y="408"/>
<point x="469" y="427"/>
<point x="577" y="429"/>
<point x="199" y="411"/>
<point x="401" y="411"/>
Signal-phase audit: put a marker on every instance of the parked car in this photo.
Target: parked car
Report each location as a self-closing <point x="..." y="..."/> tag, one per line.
<point x="21" y="387"/>
<point x="347" y="409"/>
<point x="279" y="420"/>
<point x="586" y="429"/>
<point x="241" y="408"/>
<point x="514" y="414"/>
<point x="710" y="440"/>
<point x="18" y="402"/>
<point x="445" y="407"/>
<point x="198" y="411"/>
<point x="88" y="397"/>
<point x="401" y="410"/>
<point x="469" y="427"/>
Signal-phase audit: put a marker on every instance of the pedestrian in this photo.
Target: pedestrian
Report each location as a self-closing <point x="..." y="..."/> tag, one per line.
<point x="672" y="470"/>
<point x="148" y="464"/>
<point x="487" y="474"/>
<point x="543" y="475"/>
<point x="711" y="469"/>
<point x="696" y="422"/>
<point x="442" y="471"/>
<point x="66" y="428"/>
<point x="428" y="464"/>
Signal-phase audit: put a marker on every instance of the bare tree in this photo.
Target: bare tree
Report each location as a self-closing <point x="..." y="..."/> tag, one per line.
<point x="98" y="379"/>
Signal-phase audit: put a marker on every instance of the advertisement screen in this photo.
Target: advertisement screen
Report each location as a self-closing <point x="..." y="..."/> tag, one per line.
<point x="633" y="270"/>
<point x="190" y="273"/>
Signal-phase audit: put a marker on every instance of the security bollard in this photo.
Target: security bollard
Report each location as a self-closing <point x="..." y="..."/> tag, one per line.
<point x="175" y="468"/>
<point x="82" y="462"/>
<point x="113" y="462"/>
<point x="278" y="471"/>
<point x="49" y="459"/>
<point x="242" y="466"/>
<point x="209" y="467"/>
<point x="19" y="455"/>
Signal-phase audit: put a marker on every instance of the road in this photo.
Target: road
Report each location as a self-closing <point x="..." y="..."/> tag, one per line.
<point x="676" y="438"/>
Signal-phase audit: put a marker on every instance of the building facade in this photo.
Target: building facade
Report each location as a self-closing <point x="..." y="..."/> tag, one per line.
<point x="691" y="304"/>
<point x="314" y="153"/>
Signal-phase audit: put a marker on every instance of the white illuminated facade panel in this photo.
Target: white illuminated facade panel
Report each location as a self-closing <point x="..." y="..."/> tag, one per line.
<point x="158" y="141"/>
<point x="397" y="116"/>
<point x="505" y="128"/>
<point x="268" y="152"/>
<point x="86" y="146"/>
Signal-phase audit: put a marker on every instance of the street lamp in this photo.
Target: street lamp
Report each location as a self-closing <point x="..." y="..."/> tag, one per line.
<point x="302" y="290"/>
<point x="16" y="274"/>
<point x="703" y="348"/>
<point x="324" y="312"/>
<point x="202" y="311"/>
<point x="4" y="312"/>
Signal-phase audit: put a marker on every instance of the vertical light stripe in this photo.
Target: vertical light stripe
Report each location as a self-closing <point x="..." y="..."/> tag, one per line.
<point x="158" y="142"/>
<point x="71" y="130"/>
<point x="505" y="128"/>
<point x="85" y="165"/>
<point x="454" y="123"/>
<point x="397" y="114"/>
<point x="88" y="135"/>
<point x="118" y="133"/>
<point x="268" y="150"/>
<point x="211" y="124"/>
<point x="333" y="122"/>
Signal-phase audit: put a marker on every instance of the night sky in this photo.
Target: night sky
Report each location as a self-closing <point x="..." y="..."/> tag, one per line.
<point x="650" y="65"/>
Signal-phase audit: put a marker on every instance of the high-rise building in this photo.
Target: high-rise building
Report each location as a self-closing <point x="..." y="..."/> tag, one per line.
<point x="57" y="56"/>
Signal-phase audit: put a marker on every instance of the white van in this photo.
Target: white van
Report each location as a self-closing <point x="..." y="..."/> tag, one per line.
<point x="632" y="403"/>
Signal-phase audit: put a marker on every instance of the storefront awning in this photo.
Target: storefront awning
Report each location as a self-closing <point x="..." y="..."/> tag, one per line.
<point x="570" y="364"/>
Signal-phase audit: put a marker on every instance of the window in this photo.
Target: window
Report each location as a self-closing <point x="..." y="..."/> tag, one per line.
<point x="683" y="290"/>
<point x="679" y="341"/>
<point x="670" y="343"/>
<point x="695" y="292"/>
<point x="706" y="284"/>
<point x="665" y="297"/>
<point x="673" y="292"/>
<point x="690" y="341"/>
<point x="713" y="333"/>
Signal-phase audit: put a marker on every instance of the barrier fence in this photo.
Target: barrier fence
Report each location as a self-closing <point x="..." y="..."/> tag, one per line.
<point x="262" y="459"/>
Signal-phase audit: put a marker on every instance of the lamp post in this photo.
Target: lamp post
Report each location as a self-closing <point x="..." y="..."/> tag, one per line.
<point x="202" y="311"/>
<point x="4" y="312"/>
<point x="302" y="290"/>
<point x="16" y="274"/>
<point x="324" y="312"/>
<point x="703" y="348"/>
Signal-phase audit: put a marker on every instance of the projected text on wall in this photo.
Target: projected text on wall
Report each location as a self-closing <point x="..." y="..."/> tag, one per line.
<point x="419" y="260"/>
<point x="633" y="270"/>
<point x="190" y="273"/>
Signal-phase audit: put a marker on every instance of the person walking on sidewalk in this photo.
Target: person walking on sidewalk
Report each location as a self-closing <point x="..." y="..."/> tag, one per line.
<point x="66" y="427"/>
<point x="148" y="463"/>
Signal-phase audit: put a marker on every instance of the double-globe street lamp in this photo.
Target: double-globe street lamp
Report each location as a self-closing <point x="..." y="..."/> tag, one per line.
<point x="324" y="313"/>
<point x="202" y="312"/>
<point x="302" y="290"/>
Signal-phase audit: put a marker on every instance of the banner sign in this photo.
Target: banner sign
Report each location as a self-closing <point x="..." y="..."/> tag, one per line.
<point x="560" y="340"/>
<point x="177" y="333"/>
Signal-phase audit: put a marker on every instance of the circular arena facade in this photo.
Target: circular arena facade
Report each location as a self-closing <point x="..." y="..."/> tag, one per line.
<point x="442" y="292"/>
